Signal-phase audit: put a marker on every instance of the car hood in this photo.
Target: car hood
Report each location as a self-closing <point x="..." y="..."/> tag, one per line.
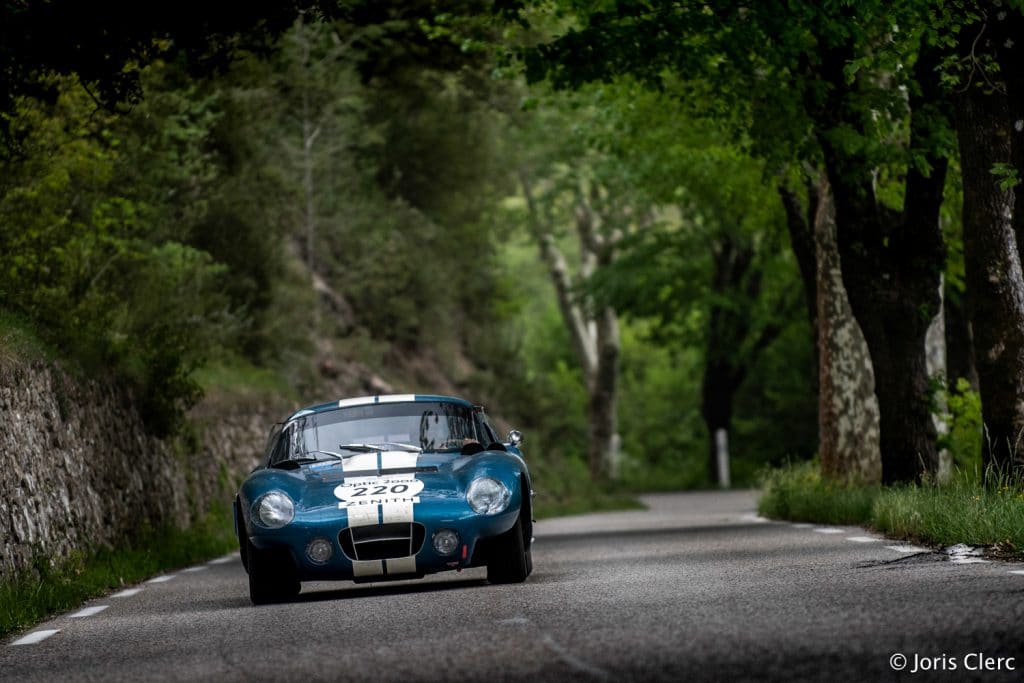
<point x="427" y="475"/>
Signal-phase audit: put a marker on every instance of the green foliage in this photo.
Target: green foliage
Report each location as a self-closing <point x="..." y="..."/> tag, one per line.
<point x="798" y="492"/>
<point x="964" y="439"/>
<point x="51" y="587"/>
<point x="962" y="511"/>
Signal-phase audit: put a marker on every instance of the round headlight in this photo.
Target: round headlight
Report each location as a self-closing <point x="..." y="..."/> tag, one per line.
<point x="487" y="496"/>
<point x="319" y="550"/>
<point x="275" y="510"/>
<point x="446" y="541"/>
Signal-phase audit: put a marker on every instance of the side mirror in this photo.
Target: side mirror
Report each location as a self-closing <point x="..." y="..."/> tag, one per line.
<point x="515" y="437"/>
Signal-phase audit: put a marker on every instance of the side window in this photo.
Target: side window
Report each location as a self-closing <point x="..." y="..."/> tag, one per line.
<point x="489" y="435"/>
<point x="275" y="432"/>
<point x="280" y="450"/>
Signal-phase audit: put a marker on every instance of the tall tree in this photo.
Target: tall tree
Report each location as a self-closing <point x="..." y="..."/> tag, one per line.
<point x="821" y="87"/>
<point x="989" y="97"/>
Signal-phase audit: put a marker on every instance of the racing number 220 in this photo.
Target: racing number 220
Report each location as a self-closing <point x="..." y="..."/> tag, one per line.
<point x="379" y="490"/>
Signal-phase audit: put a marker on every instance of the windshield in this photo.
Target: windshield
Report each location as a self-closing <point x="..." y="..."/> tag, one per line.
<point x="419" y="425"/>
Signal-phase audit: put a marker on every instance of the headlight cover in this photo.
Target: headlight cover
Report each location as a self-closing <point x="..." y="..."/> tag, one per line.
<point x="274" y="510"/>
<point x="487" y="496"/>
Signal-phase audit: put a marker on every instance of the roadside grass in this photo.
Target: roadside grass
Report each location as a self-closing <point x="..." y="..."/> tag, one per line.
<point x="960" y="511"/>
<point x="34" y="595"/>
<point x="19" y="342"/>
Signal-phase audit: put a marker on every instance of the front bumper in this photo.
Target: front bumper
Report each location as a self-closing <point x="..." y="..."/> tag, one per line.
<point x="375" y="553"/>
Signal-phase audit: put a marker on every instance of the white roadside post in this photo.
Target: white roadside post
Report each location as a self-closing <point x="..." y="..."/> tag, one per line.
<point x="722" y="453"/>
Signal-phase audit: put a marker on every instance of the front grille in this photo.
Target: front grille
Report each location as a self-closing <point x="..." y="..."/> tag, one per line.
<point x="382" y="541"/>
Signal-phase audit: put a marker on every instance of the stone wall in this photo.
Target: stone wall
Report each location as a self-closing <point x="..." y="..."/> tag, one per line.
<point x="77" y="467"/>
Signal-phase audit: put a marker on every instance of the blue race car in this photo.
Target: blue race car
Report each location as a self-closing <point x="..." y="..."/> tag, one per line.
<point x="384" y="487"/>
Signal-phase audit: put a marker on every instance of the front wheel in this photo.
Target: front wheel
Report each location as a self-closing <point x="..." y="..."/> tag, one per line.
<point x="510" y="558"/>
<point x="271" y="576"/>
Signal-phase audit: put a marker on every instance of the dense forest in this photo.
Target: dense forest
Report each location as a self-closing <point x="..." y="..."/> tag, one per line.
<point x="671" y="242"/>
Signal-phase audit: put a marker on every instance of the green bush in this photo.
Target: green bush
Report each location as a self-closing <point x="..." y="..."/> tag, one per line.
<point x="961" y="511"/>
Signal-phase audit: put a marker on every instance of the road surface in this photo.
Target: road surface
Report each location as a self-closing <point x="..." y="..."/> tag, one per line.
<point x="696" y="587"/>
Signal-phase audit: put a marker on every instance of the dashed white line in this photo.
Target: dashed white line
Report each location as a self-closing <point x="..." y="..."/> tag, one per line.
<point x="127" y="593"/>
<point x="37" y="636"/>
<point x="574" y="661"/>
<point x="88" y="611"/>
<point x="222" y="560"/>
<point x="161" y="579"/>
<point x="907" y="548"/>
<point x="863" y="539"/>
<point x="968" y="560"/>
<point x="802" y="525"/>
<point x="1017" y="571"/>
<point x="828" y="530"/>
<point x="196" y="569"/>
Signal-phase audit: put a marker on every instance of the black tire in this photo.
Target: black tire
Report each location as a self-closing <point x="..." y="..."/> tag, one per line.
<point x="271" y="576"/>
<point x="509" y="558"/>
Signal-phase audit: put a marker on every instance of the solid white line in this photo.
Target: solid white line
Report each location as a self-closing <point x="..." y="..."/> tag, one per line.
<point x="88" y="611"/>
<point x="863" y="539"/>
<point x="127" y="593"/>
<point x="196" y="569"/>
<point x="574" y="661"/>
<point x="33" y="638"/>
<point x="161" y="579"/>
<point x="907" y="548"/>
<point x="828" y="530"/>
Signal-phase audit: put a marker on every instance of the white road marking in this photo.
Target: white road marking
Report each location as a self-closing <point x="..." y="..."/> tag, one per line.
<point x="161" y="579"/>
<point x="758" y="519"/>
<point x="222" y="560"/>
<point x="38" y="636"/>
<point x="1017" y="571"/>
<point x="828" y="530"/>
<point x="863" y="539"/>
<point x="196" y="569"/>
<point x="802" y="525"/>
<point x="88" y="611"/>
<point x="907" y="548"/>
<point x="127" y="593"/>
<point x="574" y="661"/>
<point x="968" y="560"/>
<point x="514" y="620"/>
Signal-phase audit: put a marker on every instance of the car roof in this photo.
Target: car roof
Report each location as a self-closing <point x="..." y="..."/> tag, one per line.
<point x="379" y="398"/>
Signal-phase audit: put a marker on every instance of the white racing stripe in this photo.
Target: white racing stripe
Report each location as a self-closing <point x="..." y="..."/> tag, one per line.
<point x="361" y="568"/>
<point x="36" y="636"/>
<point x="389" y="508"/>
<point x="402" y="565"/>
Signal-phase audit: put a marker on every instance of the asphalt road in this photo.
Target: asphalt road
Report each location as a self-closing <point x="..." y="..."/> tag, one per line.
<point x="696" y="587"/>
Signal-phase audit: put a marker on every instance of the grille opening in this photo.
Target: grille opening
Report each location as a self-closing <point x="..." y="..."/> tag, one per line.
<point x="382" y="541"/>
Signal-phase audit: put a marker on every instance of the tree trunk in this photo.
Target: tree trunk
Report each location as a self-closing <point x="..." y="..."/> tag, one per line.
<point x="959" y="341"/>
<point x="602" y="451"/>
<point x="891" y="266"/>
<point x="995" y="284"/>
<point x="718" y="390"/>
<point x="848" y="421"/>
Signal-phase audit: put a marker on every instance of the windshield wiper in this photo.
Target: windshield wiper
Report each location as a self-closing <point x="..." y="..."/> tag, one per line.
<point x="384" y="445"/>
